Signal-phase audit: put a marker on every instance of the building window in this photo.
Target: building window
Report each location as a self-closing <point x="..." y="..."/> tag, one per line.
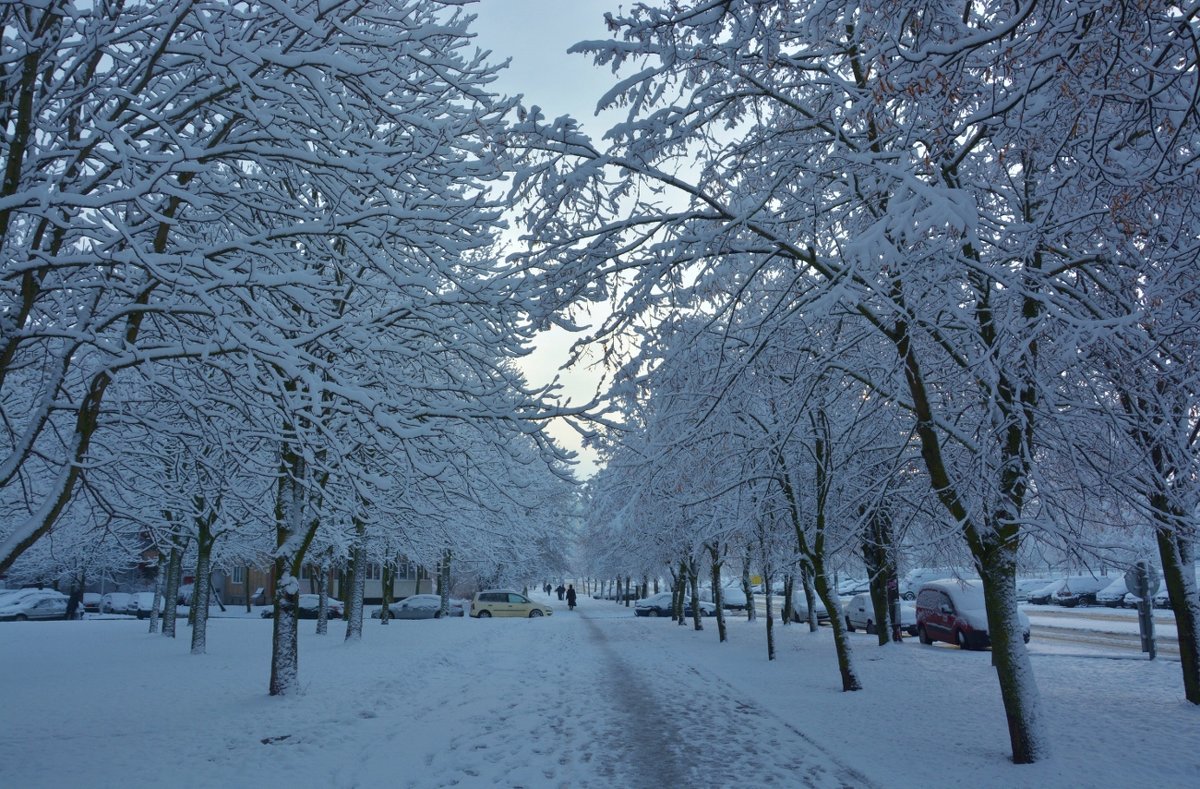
<point x="374" y="572"/>
<point x="239" y="575"/>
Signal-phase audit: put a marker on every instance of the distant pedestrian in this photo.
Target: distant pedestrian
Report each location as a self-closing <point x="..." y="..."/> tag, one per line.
<point x="547" y="589"/>
<point x="571" y="597"/>
<point x="561" y="590"/>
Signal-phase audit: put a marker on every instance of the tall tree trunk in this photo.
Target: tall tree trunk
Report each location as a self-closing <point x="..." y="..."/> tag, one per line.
<point x="159" y="578"/>
<point x="693" y="576"/>
<point x="767" y="580"/>
<point x="202" y="586"/>
<point x="174" y="575"/>
<point x="718" y="591"/>
<point x="285" y="645"/>
<point x="1174" y="550"/>
<point x="246" y="588"/>
<point x="385" y="613"/>
<point x="322" y="580"/>
<point x="748" y="589"/>
<point x="810" y="596"/>
<point x="291" y="527"/>
<point x="444" y="583"/>
<point x="789" y="588"/>
<point x="354" y="606"/>
<point x="677" y="592"/>
<point x="878" y="558"/>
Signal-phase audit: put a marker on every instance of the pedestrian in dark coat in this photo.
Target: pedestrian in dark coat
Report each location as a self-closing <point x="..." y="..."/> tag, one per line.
<point x="560" y="589"/>
<point x="571" y="597"/>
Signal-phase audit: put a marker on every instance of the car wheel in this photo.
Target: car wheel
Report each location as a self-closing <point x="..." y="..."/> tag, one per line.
<point x="535" y="613"/>
<point x="21" y="618"/>
<point x="652" y="612"/>
<point x="849" y="625"/>
<point x="910" y="595"/>
<point x="485" y="614"/>
<point x="960" y="638"/>
<point x="870" y="628"/>
<point x="922" y="636"/>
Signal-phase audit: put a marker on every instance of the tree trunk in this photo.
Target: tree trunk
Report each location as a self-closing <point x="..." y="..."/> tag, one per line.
<point x="841" y="639"/>
<point x="285" y="652"/>
<point x="881" y="570"/>
<point x="158" y="593"/>
<point x="174" y="574"/>
<point x="694" y="580"/>
<point x="322" y="579"/>
<point x="810" y="597"/>
<point x="714" y="553"/>
<point x="444" y="579"/>
<point x="677" y="592"/>
<point x="1175" y="553"/>
<point x="789" y="588"/>
<point x="354" y="605"/>
<point x="202" y="586"/>
<point x="748" y="589"/>
<point x="385" y="613"/>
<point x="767" y="579"/>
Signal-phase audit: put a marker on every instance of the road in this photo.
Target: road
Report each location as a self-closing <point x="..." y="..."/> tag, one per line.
<point x="1093" y="628"/>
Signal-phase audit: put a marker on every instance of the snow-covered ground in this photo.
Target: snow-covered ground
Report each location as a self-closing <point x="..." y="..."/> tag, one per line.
<point x="597" y="698"/>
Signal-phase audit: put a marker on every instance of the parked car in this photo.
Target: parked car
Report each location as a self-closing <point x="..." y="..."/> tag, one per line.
<point x="860" y="613"/>
<point x="800" y="607"/>
<point x="660" y="605"/>
<point x="142" y="603"/>
<point x="848" y="587"/>
<point x="613" y="593"/>
<point x="1028" y="586"/>
<point x="1114" y="594"/>
<point x="309" y="606"/>
<point x="18" y="608"/>
<point x="953" y="611"/>
<point x="11" y="596"/>
<point x="420" y="606"/>
<point x="732" y="596"/>
<point x="506" y="602"/>
<point x="115" y="603"/>
<point x="91" y="602"/>
<point x="1044" y="595"/>
<point x="912" y="580"/>
<point x="1080" y="590"/>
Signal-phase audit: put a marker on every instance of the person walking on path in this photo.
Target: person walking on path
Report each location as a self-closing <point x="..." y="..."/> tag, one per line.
<point x="560" y="589"/>
<point x="571" y="597"/>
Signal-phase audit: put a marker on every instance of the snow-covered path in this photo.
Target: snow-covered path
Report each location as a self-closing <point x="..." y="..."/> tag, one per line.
<point x="595" y="698"/>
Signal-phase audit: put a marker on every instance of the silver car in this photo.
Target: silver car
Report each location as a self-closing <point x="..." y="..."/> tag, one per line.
<point x="34" y="606"/>
<point x="420" y="606"/>
<point x="860" y="613"/>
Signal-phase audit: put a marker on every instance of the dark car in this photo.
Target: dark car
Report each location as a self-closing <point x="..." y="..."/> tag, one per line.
<point x="308" y="607"/>
<point x="1080" y="590"/>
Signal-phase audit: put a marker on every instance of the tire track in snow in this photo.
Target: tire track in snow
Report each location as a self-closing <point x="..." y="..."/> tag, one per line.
<point x="642" y="723"/>
<point x="726" y="741"/>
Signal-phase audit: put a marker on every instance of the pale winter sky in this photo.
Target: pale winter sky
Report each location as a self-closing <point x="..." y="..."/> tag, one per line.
<point x="535" y="34"/>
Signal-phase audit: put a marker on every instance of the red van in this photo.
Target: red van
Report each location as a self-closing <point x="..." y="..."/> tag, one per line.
<point x="953" y="611"/>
